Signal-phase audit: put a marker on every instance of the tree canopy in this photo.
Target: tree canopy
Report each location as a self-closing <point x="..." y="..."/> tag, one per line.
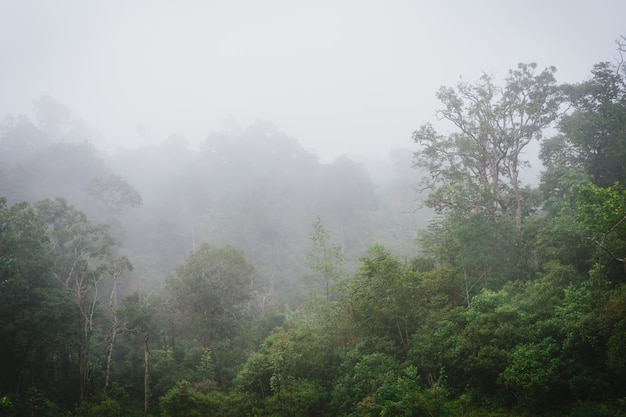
<point x="478" y="167"/>
<point x="511" y="302"/>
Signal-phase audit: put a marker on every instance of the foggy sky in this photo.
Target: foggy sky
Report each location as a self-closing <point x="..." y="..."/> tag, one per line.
<point x="353" y="76"/>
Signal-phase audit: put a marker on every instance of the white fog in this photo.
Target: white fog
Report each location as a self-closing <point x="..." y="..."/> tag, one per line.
<point x="350" y="77"/>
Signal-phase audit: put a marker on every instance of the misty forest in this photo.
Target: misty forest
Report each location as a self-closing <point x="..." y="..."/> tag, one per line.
<point x="245" y="277"/>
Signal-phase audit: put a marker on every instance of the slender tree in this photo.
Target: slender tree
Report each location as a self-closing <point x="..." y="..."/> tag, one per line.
<point x="325" y="257"/>
<point x="118" y="267"/>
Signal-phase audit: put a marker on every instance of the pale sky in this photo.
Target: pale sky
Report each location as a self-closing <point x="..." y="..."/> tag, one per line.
<point x="343" y="77"/>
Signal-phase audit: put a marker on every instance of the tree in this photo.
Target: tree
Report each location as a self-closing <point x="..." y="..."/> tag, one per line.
<point x="115" y="192"/>
<point x="210" y="289"/>
<point x="34" y="310"/>
<point x="562" y="175"/>
<point x="87" y="266"/>
<point x="134" y="320"/>
<point x="482" y="254"/>
<point x="594" y="134"/>
<point x="590" y="146"/>
<point x="381" y="299"/>
<point x="325" y="257"/>
<point x="118" y="267"/>
<point x="58" y="170"/>
<point x="602" y="211"/>
<point x="345" y="196"/>
<point x="19" y="138"/>
<point x="478" y="167"/>
<point x="53" y="118"/>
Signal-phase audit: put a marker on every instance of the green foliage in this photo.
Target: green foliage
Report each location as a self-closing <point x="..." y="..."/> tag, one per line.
<point x="301" y="399"/>
<point x="562" y="239"/>
<point x="407" y="397"/>
<point x="325" y="258"/>
<point x="602" y="211"/>
<point x="562" y="177"/>
<point x="186" y="399"/>
<point x="210" y="286"/>
<point x="104" y="408"/>
<point x="209" y="292"/>
<point x="283" y="359"/>
<point x="363" y="369"/>
<point x="482" y="254"/>
<point x="499" y="316"/>
<point x="6" y="405"/>
<point x="382" y="296"/>
<point x="584" y="409"/>
<point x="532" y="373"/>
<point x="256" y="375"/>
<point x="478" y="166"/>
<point x="35" y="402"/>
<point x="615" y="325"/>
<point x="595" y="130"/>
<point x="286" y="358"/>
<point x="36" y="331"/>
<point x="88" y="268"/>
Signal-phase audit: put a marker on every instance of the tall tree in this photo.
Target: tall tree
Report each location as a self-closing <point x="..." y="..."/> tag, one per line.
<point x="117" y="269"/>
<point x="210" y="289"/>
<point x="87" y="266"/>
<point x="592" y="137"/>
<point x="34" y="310"/>
<point x="344" y="198"/>
<point x="478" y="167"/>
<point x="382" y="296"/>
<point x="325" y="257"/>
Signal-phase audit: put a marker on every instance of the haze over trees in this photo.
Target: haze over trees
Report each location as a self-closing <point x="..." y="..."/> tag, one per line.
<point x="246" y="278"/>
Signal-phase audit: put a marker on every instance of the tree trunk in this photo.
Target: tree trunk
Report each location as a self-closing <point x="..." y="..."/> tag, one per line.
<point x="518" y="196"/>
<point x="146" y="376"/>
<point x="114" y="327"/>
<point x="467" y="288"/>
<point x="109" y="355"/>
